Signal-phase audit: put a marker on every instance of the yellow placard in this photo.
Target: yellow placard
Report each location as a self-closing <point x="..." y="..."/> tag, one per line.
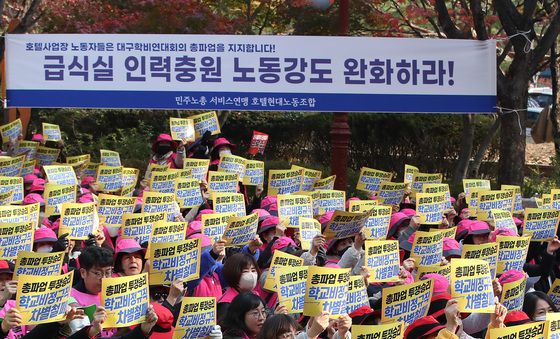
<point x="167" y="231"/>
<point x="20" y="214"/>
<point x="43" y="299"/>
<point x="14" y="185"/>
<point x="241" y="230"/>
<point x="11" y="166"/>
<point x="125" y="299"/>
<point x="291" y="290"/>
<point x="512" y="252"/>
<point x="56" y="195"/>
<point x="28" y="168"/>
<point x="280" y="259"/>
<point x="421" y="179"/>
<point x="427" y="248"/>
<point x="357" y="294"/>
<point x="345" y="224"/>
<point x="357" y="206"/>
<point x="328" y="201"/>
<point x="78" y="220"/>
<point x="232" y="164"/>
<point x="11" y="131"/>
<point x="513" y="294"/>
<point x="308" y="229"/>
<point x="471" y="285"/>
<point x="181" y="129"/>
<point x="129" y="180"/>
<point x="174" y="261"/>
<point x="444" y="270"/>
<point x="533" y="330"/>
<point x="254" y="173"/>
<point x="51" y="132"/>
<point x="138" y="226"/>
<point x="46" y="156"/>
<point x="293" y="207"/>
<point x="409" y="172"/>
<point x="370" y="179"/>
<point x="6" y="198"/>
<point x="554" y="292"/>
<point x="386" y="331"/>
<point x="469" y="184"/>
<point x="489" y="200"/>
<point x="440" y="188"/>
<point x="163" y="182"/>
<point x="517" y="198"/>
<point x="206" y="122"/>
<point x="447" y="232"/>
<point x="154" y="202"/>
<point x="90" y="169"/>
<point x="472" y="199"/>
<point x="27" y="148"/>
<point x="197" y="317"/>
<point x="155" y="168"/>
<point x="377" y="225"/>
<point x="187" y="192"/>
<point x="326" y="291"/>
<point x="61" y="174"/>
<point x="109" y="178"/>
<point x="546" y="201"/>
<point x="487" y="252"/>
<point x="38" y="264"/>
<point x="198" y="167"/>
<point x="110" y="158"/>
<point x="553" y="325"/>
<point x="503" y="219"/>
<point x="284" y="181"/>
<point x="391" y="193"/>
<point x="325" y="183"/>
<point x="15" y="238"/>
<point x="310" y="177"/>
<point x="214" y="225"/>
<point x="112" y="208"/>
<point x="555" y="198"/>
<point x="406" y="303"/>
<point x="430" y="207"/>
<point x="382" y="260"/>
<point x="78" y="159"/>
<point x="229" y="203"/>
<point x="222" y="182"/>
<point x="541" y="224"/>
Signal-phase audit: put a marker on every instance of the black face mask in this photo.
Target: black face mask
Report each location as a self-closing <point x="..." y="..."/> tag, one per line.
<point x="162" y="150"/>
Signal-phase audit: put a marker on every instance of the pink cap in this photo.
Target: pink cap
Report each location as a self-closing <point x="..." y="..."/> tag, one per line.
<point x="441" y="284"/>
<point x="204" y="211"/>
<point x="29" y="178"/>
<point x="325" y="218"/>
<point x="511" y="276"/>
<point x="268" y="223"/>
<point x="222" y="142"/>
<point x="502" y="231"/>
<point x="396" y="221"/>
<point x="126" y="245"/>
<point x="87" y="180"/>
<point x="37" y="137"/>
<point x="452" y="200"/>
<point x="479" y="227"/>
<point x="205" y="241"/>
<point x="517" y="221"/>
<point x="85" y="198"/>
<point x="351" y="199"/>
<point x="408" y="211"/>
<point x="164" y="138"/>
<point x="44" y="235"/>
<point x="38" y="185"/>
<point x="463" y="228"/>
<point x="281" y="243"/>
<point x="451" y="248"/>
<point x="263" y="214"/>
<point x="195" y="226"/>
<point x="33" y="198"/>
<point x="269" y="203"/>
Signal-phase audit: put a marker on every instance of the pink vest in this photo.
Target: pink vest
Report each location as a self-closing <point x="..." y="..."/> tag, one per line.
<point x="85" y="299"/>
<point x="209" y="286"/>
<point x="18" y="331"/>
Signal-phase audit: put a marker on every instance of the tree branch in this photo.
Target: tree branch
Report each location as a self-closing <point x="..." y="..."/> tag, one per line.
<point x="409" y="24"/>
<point x="545" y="44"/>
<point x="27" y="20"/>
<point x="445" y="21"/>
<point x="511" y="22"/>
<point x="478" y="20"/>
<point x="504" y="54"/>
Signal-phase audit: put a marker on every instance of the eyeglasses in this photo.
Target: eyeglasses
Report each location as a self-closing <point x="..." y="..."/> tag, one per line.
<point x="103" y="274"/>
<point x="258" y="314"/>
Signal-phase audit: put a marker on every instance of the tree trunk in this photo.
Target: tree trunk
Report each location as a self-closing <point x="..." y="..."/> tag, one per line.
<point x="467" y="139"/>
<point x="512" y="136"/>
<point x="477" y="161"/>
<point x="554" y="110"/>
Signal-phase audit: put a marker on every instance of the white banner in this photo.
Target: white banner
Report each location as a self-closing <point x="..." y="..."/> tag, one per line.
<point x="279" y="73"/>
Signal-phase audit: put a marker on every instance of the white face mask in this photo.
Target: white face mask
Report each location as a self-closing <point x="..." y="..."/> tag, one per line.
<point x="44" y="249"/>
<point x="248" y="281"/>
<point x="224" y="151"/>
<point x="540" y="318"/>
